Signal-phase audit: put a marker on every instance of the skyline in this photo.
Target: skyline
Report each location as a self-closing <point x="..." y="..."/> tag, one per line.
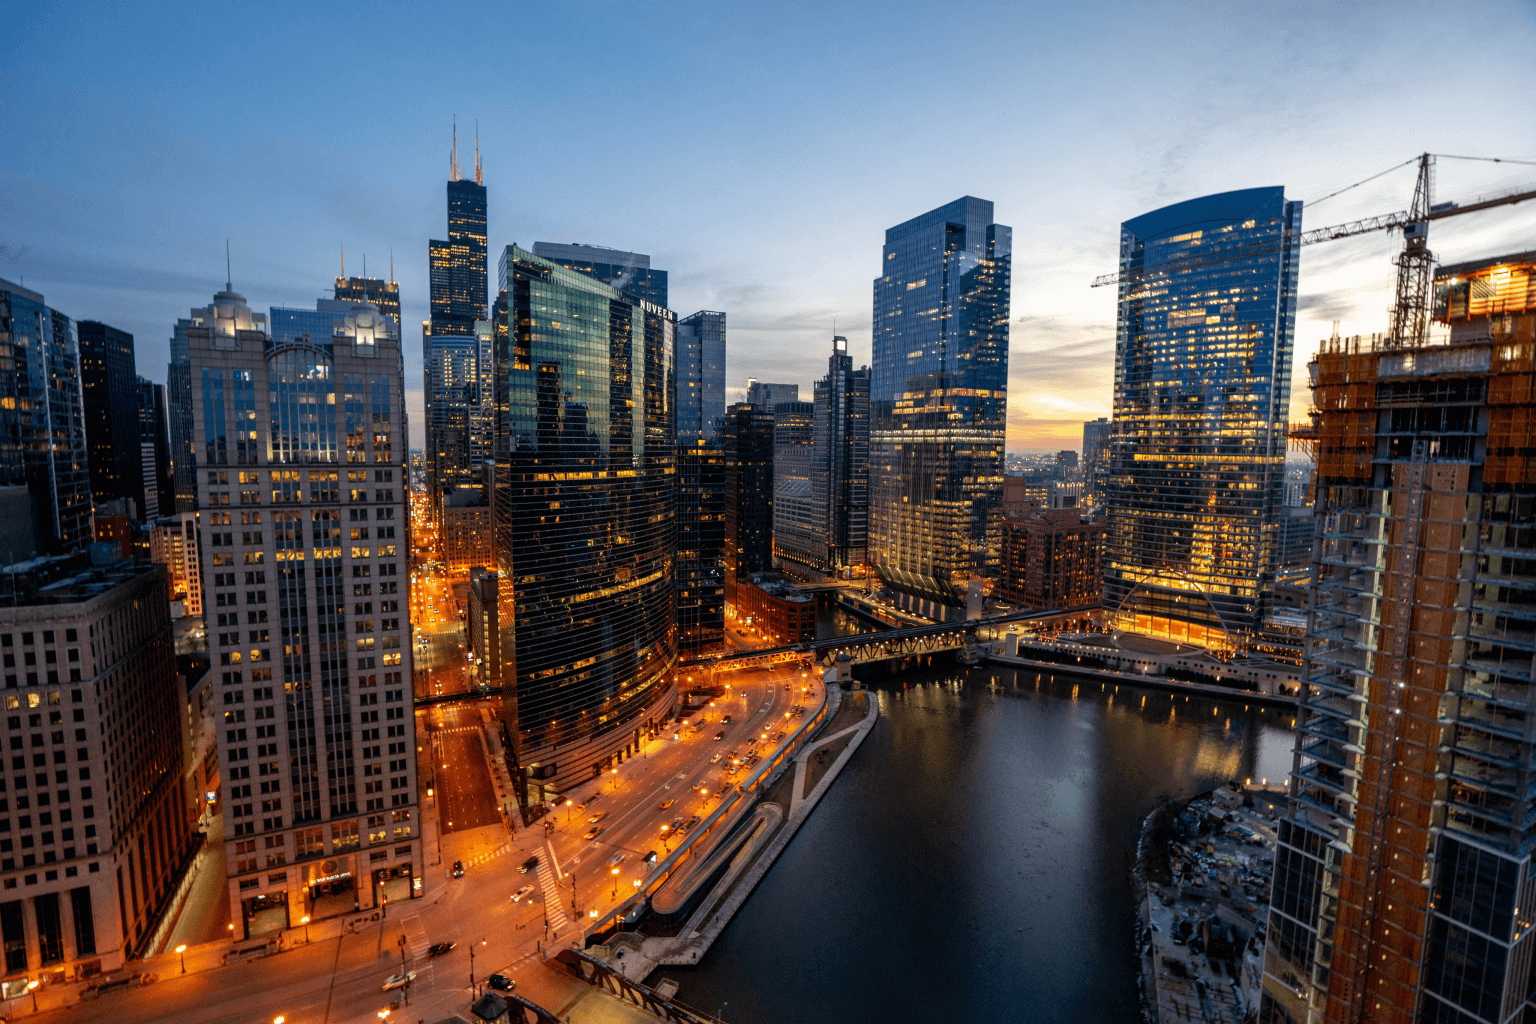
<point x="778" y="220"/>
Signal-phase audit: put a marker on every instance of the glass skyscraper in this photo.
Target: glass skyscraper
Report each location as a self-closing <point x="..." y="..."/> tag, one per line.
<point x="458" y="384"/>
<point x="938" y="403"/>
<point x="840" y="462"/>
<point x="458" y="268"/>
<point x="111" y="395"/>
<point x="700" y="376"/>
<point x="584" y="517"/>
<point x="1202" y="390"/>
<point x="44" y="467"/>
<point x="627" y="271"/>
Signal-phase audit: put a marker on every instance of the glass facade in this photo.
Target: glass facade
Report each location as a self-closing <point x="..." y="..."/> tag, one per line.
<point x="458" y="269"/>
<point x="700" y="400"/>
<point x="1202" y="391"/>
<point x="840" y="464"/>
<point x="938" y="403"/>
<point x="42" y="425"/>
<point x="748" y="442"/>
<point x="627" y="271"/>
<point x="458" y="386"/>
<point x="110" y="391"/>
<point x="584" y="514"/>
<point x="701" y="493"/>
<point x="796" y="526"/>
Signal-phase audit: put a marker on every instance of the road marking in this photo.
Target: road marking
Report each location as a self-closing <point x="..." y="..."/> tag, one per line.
<point x="549" y="848"/>
<point x="415" y="936"/>
<point x="552" y="901"/>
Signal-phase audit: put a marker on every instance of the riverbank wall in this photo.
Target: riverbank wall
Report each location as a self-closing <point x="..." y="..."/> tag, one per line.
<point x="1167" y="683"/>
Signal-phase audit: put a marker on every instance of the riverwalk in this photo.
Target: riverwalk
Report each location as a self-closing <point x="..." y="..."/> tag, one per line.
<point x="1278" y="700"/>
<point x="752" y="850"/>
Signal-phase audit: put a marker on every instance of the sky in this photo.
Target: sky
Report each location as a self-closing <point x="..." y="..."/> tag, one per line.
<point x="756" y="152"/>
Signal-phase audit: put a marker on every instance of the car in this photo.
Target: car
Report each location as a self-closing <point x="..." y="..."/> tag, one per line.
<point x="725" y="720"/>
<point x="719" y="735"/>
<point x="398" y="980"/>
<point x="593" y="832"/>
<point x="616" y="860"/>
<point x="438" y="949"/>
<point x="650" y="857"/>
<point x="528" y="865"/>
<point x="786" y="686"/>
<point x="458" y="869"/>
<point x="716" y="759"/>
<point x="501" y="983"/>
<point x="599" y="816"/>
<point x="522" y="894"/>
<point x="677" y="823"/>
<point x="668" y="802"/>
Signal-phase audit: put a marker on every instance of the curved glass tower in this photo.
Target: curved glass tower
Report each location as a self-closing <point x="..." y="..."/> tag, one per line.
<point x="938" y="404"/>
<point x="584" y="512"/>
<point x="1202" y="390"/>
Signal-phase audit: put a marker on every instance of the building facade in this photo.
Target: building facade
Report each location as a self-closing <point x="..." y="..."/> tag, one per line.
<point x="1095" y="460"/>
<point x="459" y="268"/>
<point x="155" y="451"/>
<point x="770" y="396"/>
<point x="109" y="390"/>
<point x="584" y="511"/>
<point x="748" y="493"/>
<point x="1202" y="391"/>
<point x="1051" y="559"/>
<point x="701" y="498"/>
<point x="174" y="543"/>
<point x="1404" y="884"/>
<point x="796" y="526"/>
<point x="226" y="317"/>
<point x="45" y="486"/>
<point x="626" y="271"/>
<point x="772" y="607"/>
<point x="938" y="405"/>
<point x="700" y="399"/>
<point x="96" y="826"/>
<point x="458" y="389"/>
<point x="382" y="295"/>
<point x="840" y="466"/>
<point x="301" y="450"/>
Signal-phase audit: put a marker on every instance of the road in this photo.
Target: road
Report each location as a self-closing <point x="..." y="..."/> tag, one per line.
<point x="336" y="979"/>
<point x="462" y="776"/>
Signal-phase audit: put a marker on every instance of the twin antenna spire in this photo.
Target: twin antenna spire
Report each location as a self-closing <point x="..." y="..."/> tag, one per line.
<point x="453" y="156"/>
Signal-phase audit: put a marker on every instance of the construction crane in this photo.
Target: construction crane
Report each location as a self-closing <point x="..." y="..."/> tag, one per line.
<point x="1411" y="299"/>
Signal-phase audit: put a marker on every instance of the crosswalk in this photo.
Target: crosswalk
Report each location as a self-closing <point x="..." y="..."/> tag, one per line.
<point x="553" y="907"/>
<point x="415" y="937"/>
<point x="504" y="848"/>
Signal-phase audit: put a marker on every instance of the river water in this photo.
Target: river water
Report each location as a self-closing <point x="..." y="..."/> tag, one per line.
<point x="971" y="861"/>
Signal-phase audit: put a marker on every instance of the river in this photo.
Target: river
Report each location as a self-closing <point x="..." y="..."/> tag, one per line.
<point x="971" y="861"/>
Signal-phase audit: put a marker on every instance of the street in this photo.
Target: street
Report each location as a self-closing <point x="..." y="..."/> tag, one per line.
<point x="336" y="978"/>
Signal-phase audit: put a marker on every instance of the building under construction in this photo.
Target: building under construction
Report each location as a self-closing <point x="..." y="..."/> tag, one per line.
<point x="1404" y="889"/>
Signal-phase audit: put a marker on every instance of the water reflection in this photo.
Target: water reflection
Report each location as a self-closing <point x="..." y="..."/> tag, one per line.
<point x="972" y="858"/>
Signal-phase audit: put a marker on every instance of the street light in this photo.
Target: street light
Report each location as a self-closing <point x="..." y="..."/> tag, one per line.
<point x="32" y="987"/>
<point x="306" y="929"/>
<point x="182" y="949"/>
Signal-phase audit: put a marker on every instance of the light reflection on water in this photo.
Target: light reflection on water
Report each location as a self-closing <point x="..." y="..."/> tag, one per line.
<point x="971" y="860"/>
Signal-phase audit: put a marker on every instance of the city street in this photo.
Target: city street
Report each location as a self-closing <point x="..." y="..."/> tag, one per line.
<point x="440" y="663"/>
<point x="336" y="978"/>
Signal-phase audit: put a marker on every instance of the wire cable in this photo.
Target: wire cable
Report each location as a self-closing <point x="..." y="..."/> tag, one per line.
<point x="1485" y="159"/>
<point x="1346" y="188"/>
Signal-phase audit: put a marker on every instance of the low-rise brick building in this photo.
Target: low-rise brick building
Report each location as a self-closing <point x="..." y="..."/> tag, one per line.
<point x="1050" y="558"/>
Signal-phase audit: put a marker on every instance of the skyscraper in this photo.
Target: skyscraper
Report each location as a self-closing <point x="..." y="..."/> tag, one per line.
<point x="701" y="498"/>
<point x="796" y="526"/>
<point x="301" y="462"/>
<point x="45" y="495"/>
<point x="938" y="403"/>
<point x="372" y="290"/>
<point x="768" y="396"/>
<point x="459" y="267"/>
<point x="155" y="451"/>
<point x="1095" y="462"/>
<point x="110" y="392"/>
<point x="700" y="399"/>
<point x="226" y="318"/>
<point x="748" y="443"/>
<point x="1202" y="389"/>
<point x="1404" y="885"/>
<point x="587" y="592"/>
<point x="840" y="461"/>
<point x="458" y="388"/>
<point x="627" y="271"/>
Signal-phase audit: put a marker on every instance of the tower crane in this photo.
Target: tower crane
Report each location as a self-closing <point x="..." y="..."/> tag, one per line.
<point x="1410" y="305"/>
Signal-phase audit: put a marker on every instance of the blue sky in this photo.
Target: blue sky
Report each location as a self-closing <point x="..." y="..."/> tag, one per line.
<point x="756" y="152"/>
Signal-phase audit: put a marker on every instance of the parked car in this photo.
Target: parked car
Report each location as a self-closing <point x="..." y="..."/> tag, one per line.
<point x="593" y="832"/>
<point x="399" y="980"/>
<point x="528" y="865"/>
<point x="502" y="983"/>
<point x="458" y="869"/>
<point x="522" y="894"/>
<point x="437" y="949"/>
<point x="668" y="802"/>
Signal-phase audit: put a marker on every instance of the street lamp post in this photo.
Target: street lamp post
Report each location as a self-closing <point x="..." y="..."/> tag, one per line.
<point x="306" y="929"/>
<point x="32" y="988"/>
<point x="182" y="949"/>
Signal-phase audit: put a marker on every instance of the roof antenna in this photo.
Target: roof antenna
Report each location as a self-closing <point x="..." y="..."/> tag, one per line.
<point x="343" y="262"/>
<point x="453" y="158"/>
<point x="391" y="264"/>
<point x="478" y="179"/>
<point x="365" y="265"/>
<point x="229" y="277"/>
